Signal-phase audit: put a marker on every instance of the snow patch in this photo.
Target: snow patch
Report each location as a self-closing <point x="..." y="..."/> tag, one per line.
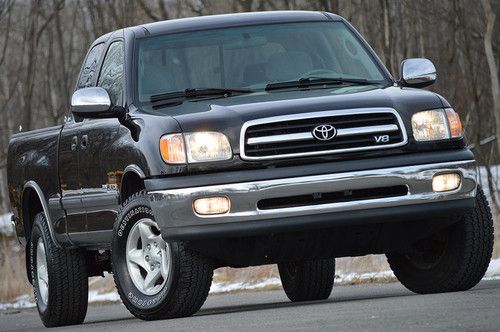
<point x="27" y="301"/>
<point x="5" y="225"/>
<point x="492" y="273"/>
<point x="493" y="269"/>
<point x="226" y="287"/>
<point x="95" y="296"/>
<point x="350" y="278"/>
<point x="22" y="302"/>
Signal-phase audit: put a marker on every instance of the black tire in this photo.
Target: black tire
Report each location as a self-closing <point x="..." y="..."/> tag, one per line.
<point x="307" y="280"/>
<point x="67" y="279"/>
<point x="455" y="259"/>
<point x="190" y="275"/>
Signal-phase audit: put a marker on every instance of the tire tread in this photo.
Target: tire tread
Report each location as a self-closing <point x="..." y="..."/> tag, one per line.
<point x="68" y="281"/>
<point x="313" y="281"/>
<point x="465" y="265"/>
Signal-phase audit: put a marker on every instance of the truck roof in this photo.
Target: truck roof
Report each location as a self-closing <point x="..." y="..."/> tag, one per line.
<point x="228" y="20"/>
<point x="223" y="21"/>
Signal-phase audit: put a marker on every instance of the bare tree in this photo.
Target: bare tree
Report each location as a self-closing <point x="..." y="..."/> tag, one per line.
<point x="156" y="13"/>
<point x="5" y="11"/>
<point x="492" y="64"/>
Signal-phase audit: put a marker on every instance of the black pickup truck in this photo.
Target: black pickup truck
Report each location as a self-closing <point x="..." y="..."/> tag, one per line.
<point x="241" y="140"/>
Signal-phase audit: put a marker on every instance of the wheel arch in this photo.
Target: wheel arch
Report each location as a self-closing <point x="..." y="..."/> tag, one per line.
<point x="34" y="201"/>
<point x="131" y="182"/>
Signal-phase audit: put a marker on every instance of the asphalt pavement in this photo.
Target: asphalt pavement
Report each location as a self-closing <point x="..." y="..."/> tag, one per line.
<point x="367" y="307"/>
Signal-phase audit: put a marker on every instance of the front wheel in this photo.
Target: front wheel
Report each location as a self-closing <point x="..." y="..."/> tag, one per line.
<point x="155" y="279"/>
<point x="307" y="280"/>
<point x="455" y="259"/>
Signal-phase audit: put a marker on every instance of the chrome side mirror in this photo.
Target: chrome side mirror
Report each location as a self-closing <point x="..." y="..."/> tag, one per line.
<point x="417" y="73"/>
<point x="93" y="102"/>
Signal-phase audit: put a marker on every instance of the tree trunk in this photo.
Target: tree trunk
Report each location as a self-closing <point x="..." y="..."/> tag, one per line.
<point x="490" y="56"/>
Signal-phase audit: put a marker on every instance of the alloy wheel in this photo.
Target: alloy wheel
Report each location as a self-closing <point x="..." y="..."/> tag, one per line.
<point x="148" y="257"/>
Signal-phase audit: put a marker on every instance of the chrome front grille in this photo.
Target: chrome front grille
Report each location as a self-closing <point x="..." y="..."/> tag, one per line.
<point x="310" y="133"/>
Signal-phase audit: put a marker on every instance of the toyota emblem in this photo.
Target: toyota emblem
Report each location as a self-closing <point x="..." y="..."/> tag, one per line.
<point x="324" y="132"/>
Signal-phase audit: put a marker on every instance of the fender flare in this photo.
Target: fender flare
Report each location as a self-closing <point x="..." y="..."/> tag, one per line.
<point x="134" y="169"/>
<point x="33" y="185"/>
<point x="129" y="170"/>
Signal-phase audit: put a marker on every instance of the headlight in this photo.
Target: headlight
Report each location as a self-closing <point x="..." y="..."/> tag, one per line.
<point x="436" y="125"/>
<point x="195" y="147"/>
<point x="207" y="146"/>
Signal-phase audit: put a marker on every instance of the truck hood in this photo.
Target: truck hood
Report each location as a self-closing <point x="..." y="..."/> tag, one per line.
<point x="227" y="115"/>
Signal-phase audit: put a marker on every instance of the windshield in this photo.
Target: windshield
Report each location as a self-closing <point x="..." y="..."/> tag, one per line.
<point x="251" y="57"/>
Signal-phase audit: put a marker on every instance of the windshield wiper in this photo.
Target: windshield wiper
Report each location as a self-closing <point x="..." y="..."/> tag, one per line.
<point x="312" y="81"/>
<point x="179" y="96"/>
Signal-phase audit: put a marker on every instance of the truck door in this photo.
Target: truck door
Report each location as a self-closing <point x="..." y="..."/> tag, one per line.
<point x="100" y="176"/>
<point x="100" y="165"/>
<point x="69" y="156"/>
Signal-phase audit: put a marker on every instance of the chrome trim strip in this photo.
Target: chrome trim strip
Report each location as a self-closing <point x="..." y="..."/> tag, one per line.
<point x="173" y="208"/>
<point x="300" y="116"/>
<point x="308" y="135"/>
<point x="366" y="130"/>
<point x="280" y="138"/>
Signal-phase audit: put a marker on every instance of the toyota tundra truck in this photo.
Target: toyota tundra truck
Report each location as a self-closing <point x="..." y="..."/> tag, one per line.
<point x="241" y="140"/>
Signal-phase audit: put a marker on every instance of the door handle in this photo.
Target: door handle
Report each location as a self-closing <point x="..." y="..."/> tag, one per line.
<point x="85" y="142"/>
<point x="74" y="143"/>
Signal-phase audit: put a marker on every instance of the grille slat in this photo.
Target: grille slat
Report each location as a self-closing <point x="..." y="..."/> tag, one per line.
<point x="267" y="141"/>
<point x="283" y="128"/>
<point x="337" y="144"/>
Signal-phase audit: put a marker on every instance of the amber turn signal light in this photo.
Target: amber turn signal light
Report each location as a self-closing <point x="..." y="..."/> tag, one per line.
<point x="172" y="149"/>
<point x="454" y="123"/>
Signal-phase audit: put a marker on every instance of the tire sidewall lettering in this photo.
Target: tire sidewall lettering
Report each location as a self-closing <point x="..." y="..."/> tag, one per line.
<point x="33" y="273"/>
<point x="143" y="301"/>
<point x="36" y="235"/>
<point x="131" y="214"/>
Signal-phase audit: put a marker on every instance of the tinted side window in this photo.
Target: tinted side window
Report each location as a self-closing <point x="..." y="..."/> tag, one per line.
<point x="90" y="66"/>
<point x="111" y="76"/>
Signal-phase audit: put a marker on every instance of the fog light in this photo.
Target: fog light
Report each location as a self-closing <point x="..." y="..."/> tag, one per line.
<point x="212" y="205"/>
<point x="446" y="182"/>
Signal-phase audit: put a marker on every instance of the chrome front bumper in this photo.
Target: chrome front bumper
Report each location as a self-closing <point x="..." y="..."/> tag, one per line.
<point x="174" y="208"/>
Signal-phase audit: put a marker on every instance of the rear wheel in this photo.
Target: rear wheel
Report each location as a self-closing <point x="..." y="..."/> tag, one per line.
<point x="307" y="280"/>
<point x="59" y="278"/>
<point x="155" y="279"/>
<point x="455" y="259"/>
